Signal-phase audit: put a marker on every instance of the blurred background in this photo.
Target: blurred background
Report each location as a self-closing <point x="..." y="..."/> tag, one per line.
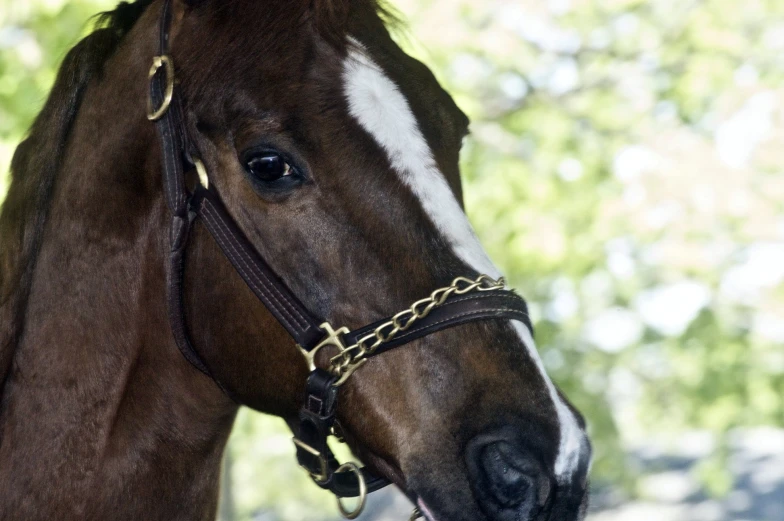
<point x="625" y="171"/>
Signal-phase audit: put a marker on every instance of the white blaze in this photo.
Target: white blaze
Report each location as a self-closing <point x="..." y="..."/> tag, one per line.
<point x="382" y="110"/>
<point x="571" y="436"/>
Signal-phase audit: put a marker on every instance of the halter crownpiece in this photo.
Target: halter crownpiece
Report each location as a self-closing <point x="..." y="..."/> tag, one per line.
<point x="465" y="300"/>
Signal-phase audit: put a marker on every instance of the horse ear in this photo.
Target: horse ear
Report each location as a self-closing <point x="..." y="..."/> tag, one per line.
<point x="331" y="18"/>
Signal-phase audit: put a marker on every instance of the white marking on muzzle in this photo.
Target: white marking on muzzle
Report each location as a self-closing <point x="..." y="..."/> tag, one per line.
<point x="382" y="110"/>
<point x="571" y="435"/>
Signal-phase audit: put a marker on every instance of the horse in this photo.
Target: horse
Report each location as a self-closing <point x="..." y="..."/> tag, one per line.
<point x="127" y="345"/>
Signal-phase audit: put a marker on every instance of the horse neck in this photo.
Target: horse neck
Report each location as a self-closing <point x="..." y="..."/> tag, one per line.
<point x="99" y="398"/>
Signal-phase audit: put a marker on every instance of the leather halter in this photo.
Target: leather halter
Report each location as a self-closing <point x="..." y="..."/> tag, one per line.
<point x="465" y="301"/>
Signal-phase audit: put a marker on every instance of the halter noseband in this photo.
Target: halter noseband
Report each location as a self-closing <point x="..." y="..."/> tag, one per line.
<point x="465" y="300"/>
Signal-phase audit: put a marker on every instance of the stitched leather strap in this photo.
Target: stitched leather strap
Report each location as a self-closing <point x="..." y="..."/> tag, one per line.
<point x="180" y="231"/>
<point x="316" y="420"/>
<point x="170" y="129"/>
<point x="257" y="274"/>
<point x="457" y="310"/>
<point x="174" y="162"/>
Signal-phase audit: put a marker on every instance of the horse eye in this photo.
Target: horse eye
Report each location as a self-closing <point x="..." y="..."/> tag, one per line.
<point x="268" y="167"/>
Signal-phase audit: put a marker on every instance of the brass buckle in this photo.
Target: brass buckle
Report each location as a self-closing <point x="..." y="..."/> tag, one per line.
<point x="154" y="114"/>
<point x="323" y="476"/>
<point x="333" y="338"/>
<point x="353" y="514"/>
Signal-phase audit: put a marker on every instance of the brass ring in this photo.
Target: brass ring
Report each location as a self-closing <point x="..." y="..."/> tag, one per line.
<point x="352" y="467"/>
<point x="202" y="172"/>
<point x="157" y="63"/>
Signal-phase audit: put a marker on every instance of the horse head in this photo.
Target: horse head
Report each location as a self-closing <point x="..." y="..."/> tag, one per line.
<point x="336" y="155"/>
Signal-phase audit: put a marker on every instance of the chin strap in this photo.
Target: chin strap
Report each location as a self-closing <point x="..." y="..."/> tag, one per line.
<point x="316" y="425"/>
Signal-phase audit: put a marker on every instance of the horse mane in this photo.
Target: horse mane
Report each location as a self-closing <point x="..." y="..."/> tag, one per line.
<point x="35" y="165"/>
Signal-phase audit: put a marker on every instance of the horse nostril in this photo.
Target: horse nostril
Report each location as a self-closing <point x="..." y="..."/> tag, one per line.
<point x="508" y="478"/>
<point x="505" y="474"/>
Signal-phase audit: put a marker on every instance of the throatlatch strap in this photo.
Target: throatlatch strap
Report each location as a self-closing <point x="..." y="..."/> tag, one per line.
<point x="170" y="128"/>
<point x="172" y="139"/>
<point x="179" y="241"/>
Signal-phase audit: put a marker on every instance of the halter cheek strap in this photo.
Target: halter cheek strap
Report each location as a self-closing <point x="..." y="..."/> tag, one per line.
<point x="465" y="300"/>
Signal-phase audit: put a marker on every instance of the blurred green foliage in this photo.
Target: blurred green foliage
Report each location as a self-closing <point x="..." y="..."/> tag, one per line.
<point x="624" y="170"/>
<point x="34" y="37"/>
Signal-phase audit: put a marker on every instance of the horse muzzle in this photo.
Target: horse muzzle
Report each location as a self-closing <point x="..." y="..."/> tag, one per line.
<point x="507" y="480"/>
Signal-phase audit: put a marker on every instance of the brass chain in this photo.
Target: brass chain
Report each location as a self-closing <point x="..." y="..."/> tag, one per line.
<point x="351" y="357"/>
